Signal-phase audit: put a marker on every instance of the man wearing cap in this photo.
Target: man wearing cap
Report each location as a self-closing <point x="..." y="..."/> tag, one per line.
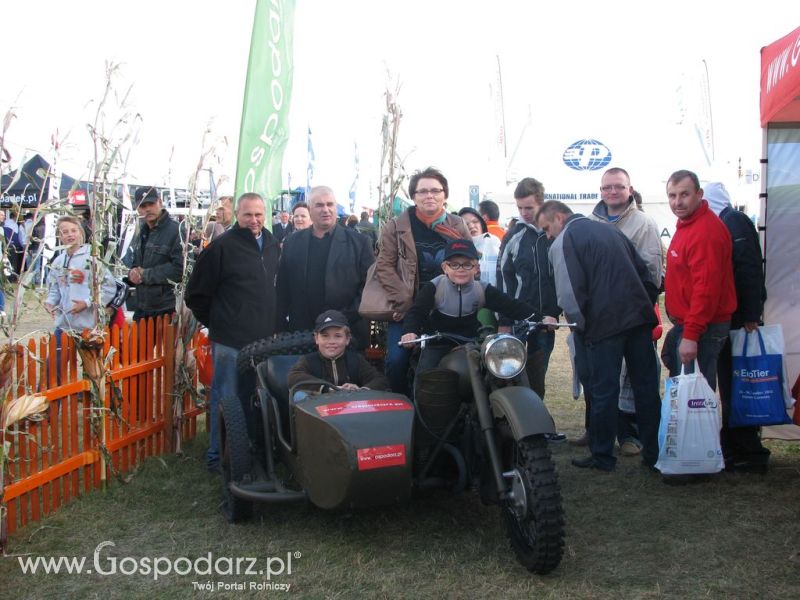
<point x="323" y="267"/>
<point x="231" y="291"/>
<point x="333" y="361"/>
<point x="155" y="257"/>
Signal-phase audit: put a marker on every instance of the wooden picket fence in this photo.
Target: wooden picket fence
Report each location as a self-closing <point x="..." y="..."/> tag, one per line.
<point x="57" y="459"/>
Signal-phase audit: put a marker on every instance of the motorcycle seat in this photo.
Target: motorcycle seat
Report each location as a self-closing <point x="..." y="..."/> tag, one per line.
<point x="278" y="368"/>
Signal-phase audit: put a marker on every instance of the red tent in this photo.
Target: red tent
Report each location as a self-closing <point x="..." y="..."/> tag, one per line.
<point x="780" y="80"/>
<point x="780" y="197"/>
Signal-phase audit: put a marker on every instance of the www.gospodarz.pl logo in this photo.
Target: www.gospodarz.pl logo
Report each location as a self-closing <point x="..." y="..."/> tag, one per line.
<point x="207" y="565"/>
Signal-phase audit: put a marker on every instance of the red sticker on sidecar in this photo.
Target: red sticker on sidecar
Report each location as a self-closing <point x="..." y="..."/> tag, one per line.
<point x="379" y="457"/>
<point x="360" y="406"/>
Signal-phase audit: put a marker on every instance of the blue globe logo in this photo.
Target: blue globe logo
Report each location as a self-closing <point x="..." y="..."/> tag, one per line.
<point x="587" y="155"/>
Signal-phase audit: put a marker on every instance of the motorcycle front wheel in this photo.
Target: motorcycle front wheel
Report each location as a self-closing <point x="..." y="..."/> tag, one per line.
<point x="533" y="514"/>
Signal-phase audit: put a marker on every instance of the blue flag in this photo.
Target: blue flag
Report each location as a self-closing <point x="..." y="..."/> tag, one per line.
<point x="355" y="181"/>
<point x="311" y="159"/>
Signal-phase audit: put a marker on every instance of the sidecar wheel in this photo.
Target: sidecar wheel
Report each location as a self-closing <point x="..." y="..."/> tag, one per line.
<point x="294" y="342"/>
<point x="236" y="457"/>
<point x="535" y="518"/>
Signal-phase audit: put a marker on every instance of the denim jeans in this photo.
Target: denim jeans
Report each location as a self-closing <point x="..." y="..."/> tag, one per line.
<point x="708" y="348"/>
<point x="223" y="383"/>
<point x="627" y="430"/>
<point x="584" y="374"/>
<point x="397" y="359"/>
<point x="540" y="347"/>
<point x="605" y="361"/>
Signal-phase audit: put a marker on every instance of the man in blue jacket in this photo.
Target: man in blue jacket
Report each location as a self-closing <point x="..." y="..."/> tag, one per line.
<point x="232" y="292"/>
<point x="603" y="286"/>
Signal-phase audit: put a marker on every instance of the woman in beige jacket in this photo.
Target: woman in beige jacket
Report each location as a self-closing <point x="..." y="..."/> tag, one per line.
<point x="411" y="250"/>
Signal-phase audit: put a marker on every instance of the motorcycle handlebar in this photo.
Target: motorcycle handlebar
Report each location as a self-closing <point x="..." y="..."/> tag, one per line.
<point x="437" y="336"/>
<point x="531" y="325"/>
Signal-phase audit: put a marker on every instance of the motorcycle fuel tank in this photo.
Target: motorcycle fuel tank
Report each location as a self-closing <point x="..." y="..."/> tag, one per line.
<point x="354" y="448"/>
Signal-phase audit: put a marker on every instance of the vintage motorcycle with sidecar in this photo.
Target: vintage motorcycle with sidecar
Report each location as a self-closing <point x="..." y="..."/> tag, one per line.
<point x="473" y="424"/>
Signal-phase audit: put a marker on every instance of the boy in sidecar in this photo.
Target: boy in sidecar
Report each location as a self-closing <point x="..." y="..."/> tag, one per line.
<point x="450" y="303"/>
<point x="334" y="362"/>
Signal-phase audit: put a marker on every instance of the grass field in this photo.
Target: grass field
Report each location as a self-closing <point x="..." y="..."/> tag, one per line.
<point x="627" y="536"/>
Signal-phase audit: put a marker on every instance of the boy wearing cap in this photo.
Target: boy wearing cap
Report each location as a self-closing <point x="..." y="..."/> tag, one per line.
<point x="333" y="361"/>
<point x="450" y="303"/>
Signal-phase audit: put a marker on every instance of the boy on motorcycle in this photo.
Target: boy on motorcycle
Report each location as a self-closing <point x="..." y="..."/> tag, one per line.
<point x="333" y="361"/>
<point x="450" y="303"/>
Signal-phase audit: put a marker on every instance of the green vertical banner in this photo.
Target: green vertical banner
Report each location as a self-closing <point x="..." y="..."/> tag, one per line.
<point x="265" y="114"/>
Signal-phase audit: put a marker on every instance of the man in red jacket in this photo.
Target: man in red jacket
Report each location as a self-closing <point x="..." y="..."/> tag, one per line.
<point x="699" y="291"/>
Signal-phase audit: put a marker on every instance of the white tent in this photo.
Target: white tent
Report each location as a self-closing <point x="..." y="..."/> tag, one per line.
<point x="780" y="198"/>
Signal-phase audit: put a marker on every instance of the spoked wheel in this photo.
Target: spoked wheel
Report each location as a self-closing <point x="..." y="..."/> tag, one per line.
<point x="534" y="515"/>
<point x="236" y="458"/>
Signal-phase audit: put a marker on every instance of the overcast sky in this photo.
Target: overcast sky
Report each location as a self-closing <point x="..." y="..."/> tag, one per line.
<point x="582" y="70"/>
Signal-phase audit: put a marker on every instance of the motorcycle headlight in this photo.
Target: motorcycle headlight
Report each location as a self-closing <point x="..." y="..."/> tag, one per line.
<point x="504" y="355"/>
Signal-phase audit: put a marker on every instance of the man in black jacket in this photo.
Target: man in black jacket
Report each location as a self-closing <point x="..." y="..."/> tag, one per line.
<point x="283" y="227"/>
<point x="155" y="257"/>
<point x="232" y="292"/>
<point x="323" y="267"/>
<point x="524" y="273"/>
<point x="603" y="286"/>
<point x="741" y="446"/>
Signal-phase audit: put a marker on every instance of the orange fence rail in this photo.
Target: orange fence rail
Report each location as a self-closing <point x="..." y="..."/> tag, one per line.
<point x="54" y="460"/>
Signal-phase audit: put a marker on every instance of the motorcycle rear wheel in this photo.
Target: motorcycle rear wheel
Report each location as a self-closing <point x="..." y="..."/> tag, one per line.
<point x="236" y="460"/>
<point x="535" y="529"/>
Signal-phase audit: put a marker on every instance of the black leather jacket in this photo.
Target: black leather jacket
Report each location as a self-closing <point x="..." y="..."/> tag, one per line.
<point x="161" y="257"/>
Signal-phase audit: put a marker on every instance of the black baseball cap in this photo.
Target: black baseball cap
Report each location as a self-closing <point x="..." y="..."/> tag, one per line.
<point x="330" y="318"/>
<point x="460" y="248"/>
<point x="146" y="194"/>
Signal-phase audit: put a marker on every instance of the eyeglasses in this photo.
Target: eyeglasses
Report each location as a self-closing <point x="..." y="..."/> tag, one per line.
<point x="460" y="266"/>
<point x="425" y="192"/>
<point x="617" y="187"/>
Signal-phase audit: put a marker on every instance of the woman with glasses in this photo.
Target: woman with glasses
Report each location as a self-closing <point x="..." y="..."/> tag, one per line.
<point x="411" y="253"/>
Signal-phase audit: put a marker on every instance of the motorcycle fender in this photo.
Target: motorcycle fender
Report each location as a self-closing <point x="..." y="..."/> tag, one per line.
<point x="523" y="409"/>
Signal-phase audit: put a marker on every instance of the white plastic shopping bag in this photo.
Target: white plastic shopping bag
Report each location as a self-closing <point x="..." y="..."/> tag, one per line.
<point x="688" y="437"/>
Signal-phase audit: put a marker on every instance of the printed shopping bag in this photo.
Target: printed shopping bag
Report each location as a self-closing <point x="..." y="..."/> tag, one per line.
<point x="757" y="390"/>
<point x="688" y="436"/>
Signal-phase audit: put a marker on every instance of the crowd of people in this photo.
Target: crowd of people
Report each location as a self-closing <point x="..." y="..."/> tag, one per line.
<point x="603" y="272"/>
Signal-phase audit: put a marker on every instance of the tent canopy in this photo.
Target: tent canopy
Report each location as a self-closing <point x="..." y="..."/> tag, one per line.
<point x="780" y="80"/>
<point x="780" y="200"/>
<point x="26" y="191"/>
